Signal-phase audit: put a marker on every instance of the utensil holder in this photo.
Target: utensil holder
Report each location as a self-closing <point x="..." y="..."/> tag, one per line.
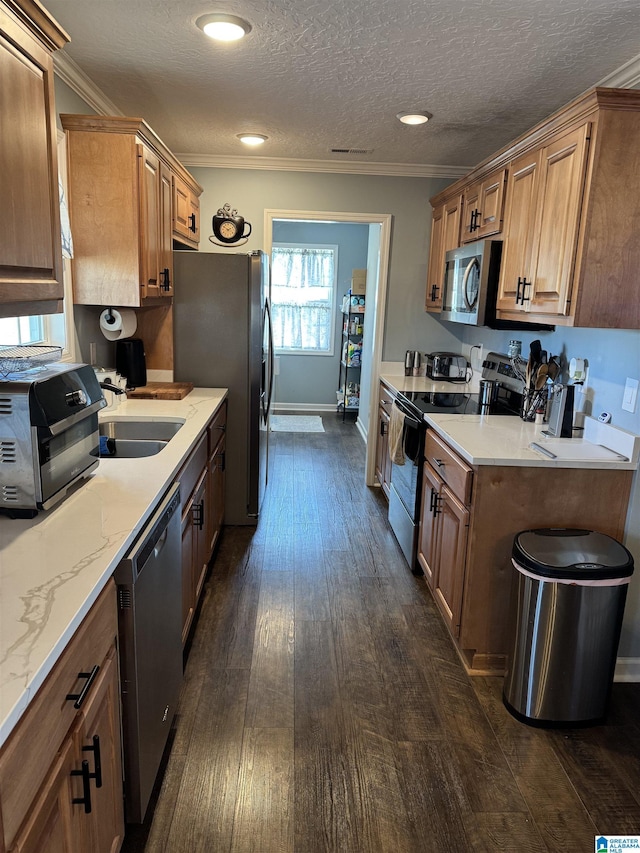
<point x="531" y="401"/>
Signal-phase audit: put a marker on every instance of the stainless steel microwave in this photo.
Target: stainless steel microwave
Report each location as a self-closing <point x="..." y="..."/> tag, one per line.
<point x="471" y="282"/>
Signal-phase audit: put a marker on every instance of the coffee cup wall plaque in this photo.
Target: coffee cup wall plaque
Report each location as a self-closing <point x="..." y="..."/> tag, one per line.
<point x="229" y="228"/>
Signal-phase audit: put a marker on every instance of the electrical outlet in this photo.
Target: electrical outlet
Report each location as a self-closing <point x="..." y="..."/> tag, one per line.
<point x="476" y="354"/>
<point x="630" y="396"/>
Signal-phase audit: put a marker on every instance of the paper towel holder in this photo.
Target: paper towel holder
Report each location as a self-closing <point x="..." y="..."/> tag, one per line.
<point x="109" y="316"/>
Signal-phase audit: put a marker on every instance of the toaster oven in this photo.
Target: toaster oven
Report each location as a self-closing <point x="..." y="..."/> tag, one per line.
<point x="48" y="435"/>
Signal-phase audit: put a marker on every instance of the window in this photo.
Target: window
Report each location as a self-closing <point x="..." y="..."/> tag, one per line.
<point x="303" y="295"/>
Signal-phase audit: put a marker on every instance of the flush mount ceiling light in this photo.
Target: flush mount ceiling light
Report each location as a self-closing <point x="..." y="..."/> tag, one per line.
<point x="223" y="27"/>
<point x="414" y="117"/>
<point x="252" y="138"/>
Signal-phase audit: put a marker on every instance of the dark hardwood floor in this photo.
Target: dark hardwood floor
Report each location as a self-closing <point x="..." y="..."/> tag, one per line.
<point x="324" y="708"/>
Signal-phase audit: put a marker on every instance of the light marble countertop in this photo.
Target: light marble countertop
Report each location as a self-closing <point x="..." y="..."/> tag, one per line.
<point x="53" y="567"/>
<point x="503" y="440"/>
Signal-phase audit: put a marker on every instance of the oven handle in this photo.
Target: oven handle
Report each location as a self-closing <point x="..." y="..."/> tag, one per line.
<point x="409" y="417"/>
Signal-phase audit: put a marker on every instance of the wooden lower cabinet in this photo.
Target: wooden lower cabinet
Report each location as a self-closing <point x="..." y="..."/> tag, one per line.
<point x="383" y="457"/>
<point x="45" y="785"/>
<point x="470" y="516"/>
<point x="202" y="494"/>
<point x="442" y="541"/>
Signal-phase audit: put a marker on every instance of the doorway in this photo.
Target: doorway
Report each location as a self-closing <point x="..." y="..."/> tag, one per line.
<point x="376" y="293"/>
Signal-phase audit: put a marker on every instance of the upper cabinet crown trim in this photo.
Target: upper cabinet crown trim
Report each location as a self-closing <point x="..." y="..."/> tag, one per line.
<point x="131" y="125"/>
<point x="576" y="112"/>
<point x="36" y="19"/>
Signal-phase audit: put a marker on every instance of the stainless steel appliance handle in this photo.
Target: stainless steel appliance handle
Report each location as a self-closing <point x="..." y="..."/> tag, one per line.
<point x="267" y="311"/>
<point x="465" y="281"/>
<point x="409" y="417"/>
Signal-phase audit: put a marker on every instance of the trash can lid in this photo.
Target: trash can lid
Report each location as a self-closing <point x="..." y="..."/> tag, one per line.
<point x="559" y="553"/>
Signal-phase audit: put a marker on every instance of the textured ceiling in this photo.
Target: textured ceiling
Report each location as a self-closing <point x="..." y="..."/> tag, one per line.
<point x="320" y="74"/>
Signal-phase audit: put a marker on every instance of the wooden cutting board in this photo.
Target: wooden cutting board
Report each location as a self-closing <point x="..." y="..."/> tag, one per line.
<point x="161" y="391"/>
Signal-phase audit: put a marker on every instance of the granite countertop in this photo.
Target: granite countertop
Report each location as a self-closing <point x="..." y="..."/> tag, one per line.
<point x="503" y="440"/>
<point x="53" y="567"/>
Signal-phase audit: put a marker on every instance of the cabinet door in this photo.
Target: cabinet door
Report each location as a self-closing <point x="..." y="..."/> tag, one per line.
<point x="560" y="193"/>
<point x="453" y="525"/>
<point x="201" y="544"/>
<point x="215" y="508"/>
<point x="103" y="829"/>
<point x="165" y="254"/>
<point x="382" y="451"/>
<point x="427" y="534"/>
<point x="491" y="205"/>
<point x="186" y="214"/>
<point x="149" y="222"/>
<point x="30" y="244"/>
<point x="470" y="214"/>
<point x="519" y="222"/>
<point x="53" y="825"/>
<point x="435" y="271"/>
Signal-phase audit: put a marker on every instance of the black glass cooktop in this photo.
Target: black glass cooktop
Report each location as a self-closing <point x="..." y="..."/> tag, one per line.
<point x="458" y="403"/>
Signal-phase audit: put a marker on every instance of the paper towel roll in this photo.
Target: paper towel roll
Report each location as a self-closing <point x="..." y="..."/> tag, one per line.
<point x="577" y="369"/>
<point x="123" y="323"/>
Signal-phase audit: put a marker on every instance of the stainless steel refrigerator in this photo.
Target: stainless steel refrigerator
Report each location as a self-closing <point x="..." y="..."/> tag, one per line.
<point x="222" y="338"/>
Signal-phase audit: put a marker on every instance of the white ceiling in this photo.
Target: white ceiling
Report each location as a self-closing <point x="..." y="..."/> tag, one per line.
<point x="320" y="74"/>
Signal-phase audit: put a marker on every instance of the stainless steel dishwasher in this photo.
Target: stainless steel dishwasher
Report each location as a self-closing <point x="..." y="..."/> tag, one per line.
<point x="150" y="634"/>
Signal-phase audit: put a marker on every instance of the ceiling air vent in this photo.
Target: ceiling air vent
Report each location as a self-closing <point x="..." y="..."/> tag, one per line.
<point x="351" y="150"/>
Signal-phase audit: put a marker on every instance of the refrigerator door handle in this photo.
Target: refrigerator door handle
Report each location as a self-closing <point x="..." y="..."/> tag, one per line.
<point x="267" y="315"/>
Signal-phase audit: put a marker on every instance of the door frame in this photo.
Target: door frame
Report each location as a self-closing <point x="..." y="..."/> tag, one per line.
<point x="376" y="295"/>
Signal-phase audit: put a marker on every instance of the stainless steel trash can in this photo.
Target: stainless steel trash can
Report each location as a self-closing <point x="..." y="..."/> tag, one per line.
<point x="571" y="591"/>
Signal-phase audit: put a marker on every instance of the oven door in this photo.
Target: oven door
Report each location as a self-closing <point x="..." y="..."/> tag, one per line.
<point x="404" y="494"/>
<point x="65" y="457"/>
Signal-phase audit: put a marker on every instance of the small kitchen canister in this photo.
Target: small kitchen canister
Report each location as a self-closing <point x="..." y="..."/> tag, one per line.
<point x="515" y="348"/>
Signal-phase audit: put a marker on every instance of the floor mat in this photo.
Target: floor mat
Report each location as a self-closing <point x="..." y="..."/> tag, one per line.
<point x="296" y="423"/>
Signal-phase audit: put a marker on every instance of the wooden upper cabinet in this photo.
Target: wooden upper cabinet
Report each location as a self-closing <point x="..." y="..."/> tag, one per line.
<point x="544" y="206"/>
<point x="519" y="224"/>
<point x="483" y="207"/>
<point x="186" y="214"/>
<point x="445" y="235"/>
<point x="121" y="203"/>
<point x="30" y="241"/>
<point x="570" y="232"/>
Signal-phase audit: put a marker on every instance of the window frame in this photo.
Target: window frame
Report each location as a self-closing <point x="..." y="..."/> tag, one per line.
<point x="331" y="351"/>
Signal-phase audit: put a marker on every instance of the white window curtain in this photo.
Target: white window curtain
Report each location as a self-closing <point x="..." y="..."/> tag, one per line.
<point x="303" y="285"/>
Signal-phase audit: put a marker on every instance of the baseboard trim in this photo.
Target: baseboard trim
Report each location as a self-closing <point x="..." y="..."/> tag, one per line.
<point x="627" y="669"/>
<point x="303" y="407"/>
<point x="361" y="430"/>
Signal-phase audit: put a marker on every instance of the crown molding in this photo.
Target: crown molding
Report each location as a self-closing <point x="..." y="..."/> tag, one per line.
<point x="625" y="77"/>
<point x="71" y="74"/>
<point x="345" y="167"/>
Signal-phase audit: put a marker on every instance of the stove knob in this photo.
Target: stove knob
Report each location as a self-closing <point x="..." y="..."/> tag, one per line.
<point x="76" y="398"/>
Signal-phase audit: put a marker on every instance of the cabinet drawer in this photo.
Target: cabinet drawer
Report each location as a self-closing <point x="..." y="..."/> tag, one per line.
<point x="456" y="473"/>
<point x="32" y="746"/>
<point x="192" y="470"/>
<point x="386" y="399"/>
<point x="217" y="427"/>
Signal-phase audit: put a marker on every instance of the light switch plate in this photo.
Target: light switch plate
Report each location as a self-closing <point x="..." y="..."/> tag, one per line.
<point x="630" y="396"/>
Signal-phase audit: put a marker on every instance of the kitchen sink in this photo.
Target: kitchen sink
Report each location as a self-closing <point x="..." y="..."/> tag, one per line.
<point x="155" y="431"/>
<point x="130" y="448"/>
